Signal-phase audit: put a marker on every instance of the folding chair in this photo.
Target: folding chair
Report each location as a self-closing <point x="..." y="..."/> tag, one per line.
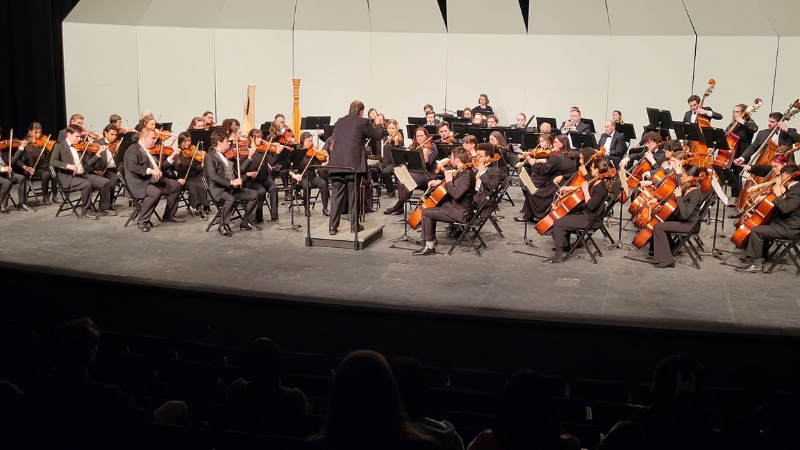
<point x="783" y="248"/>
<point x="137" y="202"/>
<point x="586" y="235"/>
<point x="183" y="199"/>
<point x="503" y="191"/>
<point x="36" y="192"/>
<point x="219" y="204"/>
<point x="66" y="201"/>
<point x="684" y="240"/>
<point x="477" y="220"/>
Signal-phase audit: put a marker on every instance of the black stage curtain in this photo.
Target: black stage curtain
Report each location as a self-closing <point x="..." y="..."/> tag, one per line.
<point x="32" y="64"/>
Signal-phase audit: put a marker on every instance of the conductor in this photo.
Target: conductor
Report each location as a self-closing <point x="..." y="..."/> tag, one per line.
<point x="350" y="133"/>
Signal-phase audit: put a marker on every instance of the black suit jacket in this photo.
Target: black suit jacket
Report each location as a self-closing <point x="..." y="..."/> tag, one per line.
<point x="745" y="132"/>
<point x="461" y="192"/>
<point x="136" y="164"/>
<point x="217" y="174"/>
<point x="62" y="157"/>
<point x="490" y="180"/>
<point x="583" y="127"/>
<point x="100" y="163"/>
<point x="350" y="134"/>
<point x="617" y="148"/>
<point x="787" y="211"/>
<point x="687" y="117"/>
<point x="788" y="139"/>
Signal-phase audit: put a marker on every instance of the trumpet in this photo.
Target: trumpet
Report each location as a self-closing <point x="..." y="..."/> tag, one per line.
<point x="565" y="128"/>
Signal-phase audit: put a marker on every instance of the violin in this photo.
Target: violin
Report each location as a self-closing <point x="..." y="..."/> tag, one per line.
<point x="319" y="153"/>
<point x="426" y="145"/>
<point x="94" y="148"/>
<point x="113" y="147"/>
<point x="167" y="151"/>
<point x="267" y="147"/>
<point x="44" y="140"/>
<point x="287" y="138"/>
<point x="449" y="139"/>
<point x="162" y="135"/>
<point x="242" y="153"/>
<point x="192" y="152"/>
<point x="562" y="206"/>
<point x="538" y="153"/>
<point x="91" y="134"/>
<point x="14" y="144"/>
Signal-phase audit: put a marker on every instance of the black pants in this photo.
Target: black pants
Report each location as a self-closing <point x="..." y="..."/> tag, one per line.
<point x="756" y="246"/>
<point x="344" y="192"/>
<point x="564" y="226"/>
<point x="315" y="182"/>
<point x="152" y="195"/>
<point x="662" y="251"/>
<point x="88" y="182"/>
<point x="7" y="181"/>
<point x="429" y="218"/>
<point x="113" y="178"/>
<point x="402" y="193"/>
<point x="48" y="181"/>
<point x="231" y="197"/>
<point x="264" y="188"/>
<point x="197" y="192"/>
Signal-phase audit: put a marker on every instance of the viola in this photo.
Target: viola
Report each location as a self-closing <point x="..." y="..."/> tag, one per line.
<point x="319" y="153"/>
<point x="42" y="141"/>
<point x="568" y="202"/>
<point x="431" y="198"/>
<point x="760" y="214"/>
<point x="230" y="154"/>
<point x="287" y="138"/>
<point x="166" y="151"/>
<point x="192" y="152"/>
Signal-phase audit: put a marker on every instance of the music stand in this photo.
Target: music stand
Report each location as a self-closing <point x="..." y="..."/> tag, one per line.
<point x="419" y="121"/>
<point x="166" y="126"/>
<point x="462" y="129"/>
<point x="412" y="159"/>
<point x="327" y="131"/>
<point x="530" y="140"/>
<point x="201" y="137"/>
<point x="432" y="129"/>
<point x="265" y="126"/>
<point x="294" y="160"/>
<point x="445" y="150"/>
<point x="410" y="129"/>
<point x="687" y="132"/>
<point x="125" y="141"/>
<point x="659" y="118"/>
<point x="589" y="122"/>
<point x="514" y="135"/>
<point x="315" y="123"/>
<point x="727" y="177"/>
<point x="627" y="130"/>
<point x="582" y="140"/>
<point x="550" y="120"/>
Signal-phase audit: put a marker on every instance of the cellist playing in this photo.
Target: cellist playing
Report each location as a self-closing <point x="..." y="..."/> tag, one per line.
<point x="785" y="223"/>
<point x="594" y="195"/>
<point x="683" y="219"/>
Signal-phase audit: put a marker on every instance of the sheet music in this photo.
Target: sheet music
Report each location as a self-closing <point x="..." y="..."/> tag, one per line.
<point x="720" y="191"/>
<point x="526" y="180"/>
<point x="405" y="178"/>
<point x="623" y="179"/>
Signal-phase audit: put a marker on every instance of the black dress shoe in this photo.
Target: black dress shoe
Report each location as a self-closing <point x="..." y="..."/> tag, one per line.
<point x="325" y="212"/>
<point x="108" y="212"/>
<point x="360" y="229"/>
<point x="259" y="221"/>
<point x="746" y="259"/>
<point x="752" y="268"/>
<point x="175" y="220"/>
<point x="425" y="251"/>
<point x="90" y="216"/>
<point x="275" y="219"/>
<point x="3" y="210"/>
<point x="143" y="227"/>
<point x="332" y="231"/>
<point x="519" y="219"/>
<point x="391" y="212"/>
<point x="734" y="216"/>
<point x="249" y="227"/>
<point x="665" y="265"/>
<point x="46" y="202"/>
<point x="56" y="200"/>
<point x="24" y="207"/>
<point x="224" y="231"/>
<point x="202" y="214"/>
<point x="554" y="260"/>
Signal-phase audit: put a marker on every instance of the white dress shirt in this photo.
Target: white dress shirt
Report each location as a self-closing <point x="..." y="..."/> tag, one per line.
<point x="77" y="159"/>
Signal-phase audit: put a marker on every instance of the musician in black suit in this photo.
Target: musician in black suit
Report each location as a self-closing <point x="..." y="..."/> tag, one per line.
<point x="785" y="223"/>
<point x="575" y="124"/>
<point x="695" y="109"/>
<point x="145" y="178"/>
<point x="784" y="136"/>
<point x="350" y="133"/>
<point x="76" y="120"/>
<point x="75" y="177"/>
<point x="35" y="161"/>
<point x="224" y="186"/>
<point x="105" y="164"/>
<point x="262" y="177"/>
<point x="614" y="143"/>
<point x="489" y="175"/>
<point x="456" y="206"/>
<point x="7" y="179"/>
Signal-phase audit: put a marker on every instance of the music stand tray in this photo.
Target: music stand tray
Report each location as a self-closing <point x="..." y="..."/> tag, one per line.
<point x="688" y="132"/>
<point x="627" y="130"/>
<point x="659" y="118"/>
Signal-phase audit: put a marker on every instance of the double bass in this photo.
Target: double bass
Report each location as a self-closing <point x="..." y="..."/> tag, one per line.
<point x="700" y="149"/>
<point x="570" y="201"/>
<point x="759" y="214"/>
<point x="724" y="158"/>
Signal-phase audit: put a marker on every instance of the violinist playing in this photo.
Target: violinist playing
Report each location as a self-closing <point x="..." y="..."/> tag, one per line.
<point x="385" y="169"/>
<point x="149" y="122"/>
<point x="277" y="132"/>
<point x="545" y="145"/>
<point x="488" y="176"/>
<point x="227" y="186"/>
<point x="105" y="165"/>
<point x="594" y="196"/>
<point x="501" y="145"/>
<point x="146" y="180"/>
<point x="262" y="178"/>
<point x="74" y="175"/>
<point x="116" y="120"/>
<point x="7" y="179"/>
<point x="455" y="207"/>
<point x="547" y="174"/>
<point x="32" y="153"/>
<point x="77" y="120"/>
<point x="422" y="142"/>
<point x="683" y="219"/>
<point x="785" y="222"/>
<point x="188" y="165"/>
<point x="445" y="135"/>
<point x="208" y="120"/>
<point x="307" y="176"/>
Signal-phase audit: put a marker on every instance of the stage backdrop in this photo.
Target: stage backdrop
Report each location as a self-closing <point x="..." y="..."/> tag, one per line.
<point x="123" y="56"/>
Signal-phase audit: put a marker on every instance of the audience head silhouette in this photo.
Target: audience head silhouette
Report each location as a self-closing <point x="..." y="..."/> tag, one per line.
<point x="678" y="383"/>
<point x="525" y="415"/>
<point x="75" y="345"/>
<point x="409" y="374"/>
<point x="263" y="362"/>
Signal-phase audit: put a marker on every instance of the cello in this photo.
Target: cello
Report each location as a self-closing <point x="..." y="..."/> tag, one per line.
<point x="759" y="214"/>
<point x="724" y="158"/>
<point x="568" y="202"/>
<point x="434" y="195"/>
<point x="764" y="155"/>
<point x="635" y="176"/>
<point x="700" y="149"/>
<point x="662" y="212"/>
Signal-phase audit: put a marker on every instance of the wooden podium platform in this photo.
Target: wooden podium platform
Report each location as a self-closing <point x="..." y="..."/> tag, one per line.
<point x="344" y="238"/>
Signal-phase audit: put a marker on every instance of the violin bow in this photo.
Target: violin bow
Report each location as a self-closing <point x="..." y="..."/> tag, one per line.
<point x="310" y="160"/>
<point x="10" y="144"/>
<point x="46" y="141"/>
<point x="192" y="160"/>
<point x="265" y="157"/>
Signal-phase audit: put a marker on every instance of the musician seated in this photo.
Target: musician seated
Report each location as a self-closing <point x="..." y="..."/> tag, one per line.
<point x="594" y="196"/>
<point x="456" y="206"/>
<point x="75" y="177"/>
<point x="614" y="142"/>
<point x="445" y="135"/>
<point x="501" y="145"/>
<point x="146" y="179"/>
<point x="778" y="162"/>
<point x="546" y="128"/>
<point x="307" y="176"/>
<point x="547" y="174"/>
<point x="104" y="165"/>
<point x="785" y="222"/>
<point x="30" y="155"/>
<point x="226" y="188"/>
<point x="75" y="120"/>
<point x="430" y="119"/>
<point x="466" y="113"/>
<point x="262" y="178"/>
<point x="683" y="219"/>
<point x="470" y="144"/>
<point x="492" y="121"/>
<point x="656" y="152"/>
<point x="187" y="167"/>
<point x="667" y="166"/>
<point x="489" y="175"/>
<point x="422" y="177"/>
<point x="545" y="143"/>
<point x="7" y="179"/>
<point x="385" y="169"/>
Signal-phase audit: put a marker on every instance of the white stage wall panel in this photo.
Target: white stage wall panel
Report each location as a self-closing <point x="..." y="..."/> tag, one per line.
<point x="100" y="72"/>
<point x="787" y="86"/>
<point x="176" y="73"/>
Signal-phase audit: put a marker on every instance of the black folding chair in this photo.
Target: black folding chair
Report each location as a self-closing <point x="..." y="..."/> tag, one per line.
<point x="586" y="235"/>
<point x="783" y="248"/>
<point x="473" y="226"/>
<point x="35" y="191"/>
<point x="219" y="204"/>
<point x="684" y="241"/>
<point x="66" y="201"/>
<point x="503" y="191"/>
<point x="137" y="202"/>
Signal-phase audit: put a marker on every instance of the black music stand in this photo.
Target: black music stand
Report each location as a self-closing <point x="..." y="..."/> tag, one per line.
<point x="419" y="121"/>
<point x="627" y="130"/>
<point x="514" y="135"/>
<point x="589" y="122"/>
<point x="201" y="137"/>
<point x="461" y="129"/>
<point x="432" y="129"/>
<point x="583" y="140"/>
<point x="663" y="132"/>
<point x="166" y="126"/>
<point x="727" y="177"/>
<point x="327" y="131"/>
<point x="659" y="118"/>
<point x="529" y="140"/>
<point x="315" y="123"/>
<point x="445" y="150"/>
<point x="293" y="160"/>
<point x="687" y="132"/>
<point x="551" y="120"/>
<point x="265" y="126"/>
<point x="412" y="159"/>
<point x="125" y="141"/>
